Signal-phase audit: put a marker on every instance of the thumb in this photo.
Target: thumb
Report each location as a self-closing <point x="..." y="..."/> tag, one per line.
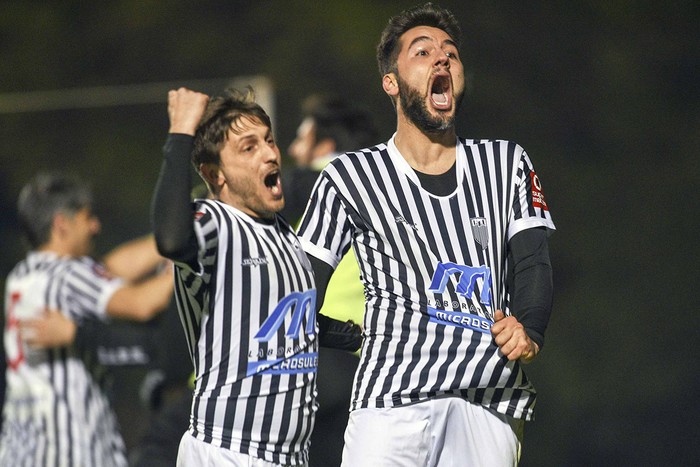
<point x="499" y="315"/>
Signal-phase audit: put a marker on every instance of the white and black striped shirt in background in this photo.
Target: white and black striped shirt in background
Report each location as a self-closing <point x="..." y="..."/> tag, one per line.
<point x="55" y="411"/>
<point x="434" y="269"/>
<point x="249" y="318"/>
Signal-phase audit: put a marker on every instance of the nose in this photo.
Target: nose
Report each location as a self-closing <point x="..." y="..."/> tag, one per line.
<point x="441" y="58"/>
<point x="271" y="153"/>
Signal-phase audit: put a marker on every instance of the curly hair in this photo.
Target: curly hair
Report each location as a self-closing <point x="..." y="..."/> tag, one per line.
<point x="224" y="113"/>
<point x="424" y="15"/>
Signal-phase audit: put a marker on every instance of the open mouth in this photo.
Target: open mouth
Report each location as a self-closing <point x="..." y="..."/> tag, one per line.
<point x="273" y="182"/>
<point x="440" y="94"/>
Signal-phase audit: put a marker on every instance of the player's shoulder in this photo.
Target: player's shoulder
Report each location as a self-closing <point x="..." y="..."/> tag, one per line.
<point x="208" y="209"/>
<point x="489" y="142"/>
<point x="502" y="146"/>
<point x="378" y="150"/>
<point x="360" y="160"/>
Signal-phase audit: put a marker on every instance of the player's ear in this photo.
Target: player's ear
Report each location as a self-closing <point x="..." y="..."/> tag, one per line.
<point x="390" y="84"/>
<point x="60" y="224"/>
<point x="211" y="174"/>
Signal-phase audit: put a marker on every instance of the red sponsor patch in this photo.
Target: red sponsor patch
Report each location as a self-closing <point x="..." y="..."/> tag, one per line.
<point x="198" y="215"/>
<point x="537" y="195"/>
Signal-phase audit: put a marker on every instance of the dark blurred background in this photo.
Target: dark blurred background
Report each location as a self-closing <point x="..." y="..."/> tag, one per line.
<point x="604" y="96"/>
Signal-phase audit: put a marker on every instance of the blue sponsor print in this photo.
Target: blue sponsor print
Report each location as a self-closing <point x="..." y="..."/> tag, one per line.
<point x="467" y="280"/>
<point x="301" y="303"/>
<point x="460" y="320"/>
<point x="300" y="363"/>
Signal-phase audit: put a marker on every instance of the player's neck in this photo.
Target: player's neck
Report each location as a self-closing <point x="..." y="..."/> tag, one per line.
<point x="57" y="248"/>
<point x="429" y="153"/>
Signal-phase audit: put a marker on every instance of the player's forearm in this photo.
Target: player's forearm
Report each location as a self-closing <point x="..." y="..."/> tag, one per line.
<point x="142" y="301"/>
<point x="333" y="333"/>
<point x="322" y="275"/>
<point x="171" y="207"/>
<point x="135" y="259"/>
<point x="532" y="292"/>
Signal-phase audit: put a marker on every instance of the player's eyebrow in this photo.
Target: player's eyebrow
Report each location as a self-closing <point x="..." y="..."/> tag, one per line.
<point x="426" y="38"/>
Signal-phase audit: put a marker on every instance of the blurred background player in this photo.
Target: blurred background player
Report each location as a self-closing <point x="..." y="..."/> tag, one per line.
<point x="56" y="410"/>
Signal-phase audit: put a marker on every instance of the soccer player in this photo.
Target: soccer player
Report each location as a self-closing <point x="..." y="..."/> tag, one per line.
<point x="244" y="286"/>
<point x="56" y="412"/>
<point x="451" y="237"/>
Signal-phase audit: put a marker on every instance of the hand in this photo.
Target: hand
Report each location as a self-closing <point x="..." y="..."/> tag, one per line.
<point x="512" y="339"/>
<point x="185" y="109"/>
<point x="336" y="334"/>
<point x="52" y="329"/>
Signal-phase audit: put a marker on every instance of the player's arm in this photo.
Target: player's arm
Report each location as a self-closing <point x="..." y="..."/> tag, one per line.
<point x="332" y="333"/>
<point x="53" y="329"/>
<point x="143" y="300"/>
<point x="521" y="336"/>
<point x="50" y="329"/>
<point x="171" y="210"/>
<point x="135" y="259"/>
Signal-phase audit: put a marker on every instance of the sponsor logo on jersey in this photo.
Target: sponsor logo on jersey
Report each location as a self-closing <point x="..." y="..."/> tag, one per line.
<point x="288" y="360"/>
<point x="459" y="319"/>
<point x="297" y="303"/>
<point x="403" y="220"/>
<point x="467" y="277"/>
<point x="301" y="363"/>
<point x="537" y="195"/>
<point x="254" y="261"/>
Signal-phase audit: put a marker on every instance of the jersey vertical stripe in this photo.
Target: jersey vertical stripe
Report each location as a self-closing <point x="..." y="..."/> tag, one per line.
<point x="56" y="413"/>
<point x="247" y="396"/>
<point x="434" y="269"/>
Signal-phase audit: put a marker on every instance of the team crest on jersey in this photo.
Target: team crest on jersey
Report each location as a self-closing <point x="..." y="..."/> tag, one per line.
<point x="301" y="255"/>
<point x="480" y="230"/>
<point x="537" y="195"/>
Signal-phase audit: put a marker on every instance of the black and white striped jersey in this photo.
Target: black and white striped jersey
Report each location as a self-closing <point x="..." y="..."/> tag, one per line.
<point x="55" y="411"/>
<point x="248" y="310"/>
<point x="434" y="269"/>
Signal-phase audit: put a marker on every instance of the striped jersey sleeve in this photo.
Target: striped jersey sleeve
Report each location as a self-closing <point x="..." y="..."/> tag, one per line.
<point x="56" y="412"/>
<point x="248" y="310"/>
<point x="434" y="269"/>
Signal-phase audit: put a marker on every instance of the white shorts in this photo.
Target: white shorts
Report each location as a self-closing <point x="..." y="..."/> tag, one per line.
<point x="443" y="432"/>
<point x="196" y="453"/>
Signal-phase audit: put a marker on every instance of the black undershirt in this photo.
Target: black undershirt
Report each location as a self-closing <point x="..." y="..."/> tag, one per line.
<point x="439" y="185"/>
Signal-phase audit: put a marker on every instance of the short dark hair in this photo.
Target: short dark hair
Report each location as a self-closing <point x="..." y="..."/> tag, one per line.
<point x="424" y="15"/>
<point x="334" y="118"/>
<point x="48" y="194"/>
<point x="222" y="114"/>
